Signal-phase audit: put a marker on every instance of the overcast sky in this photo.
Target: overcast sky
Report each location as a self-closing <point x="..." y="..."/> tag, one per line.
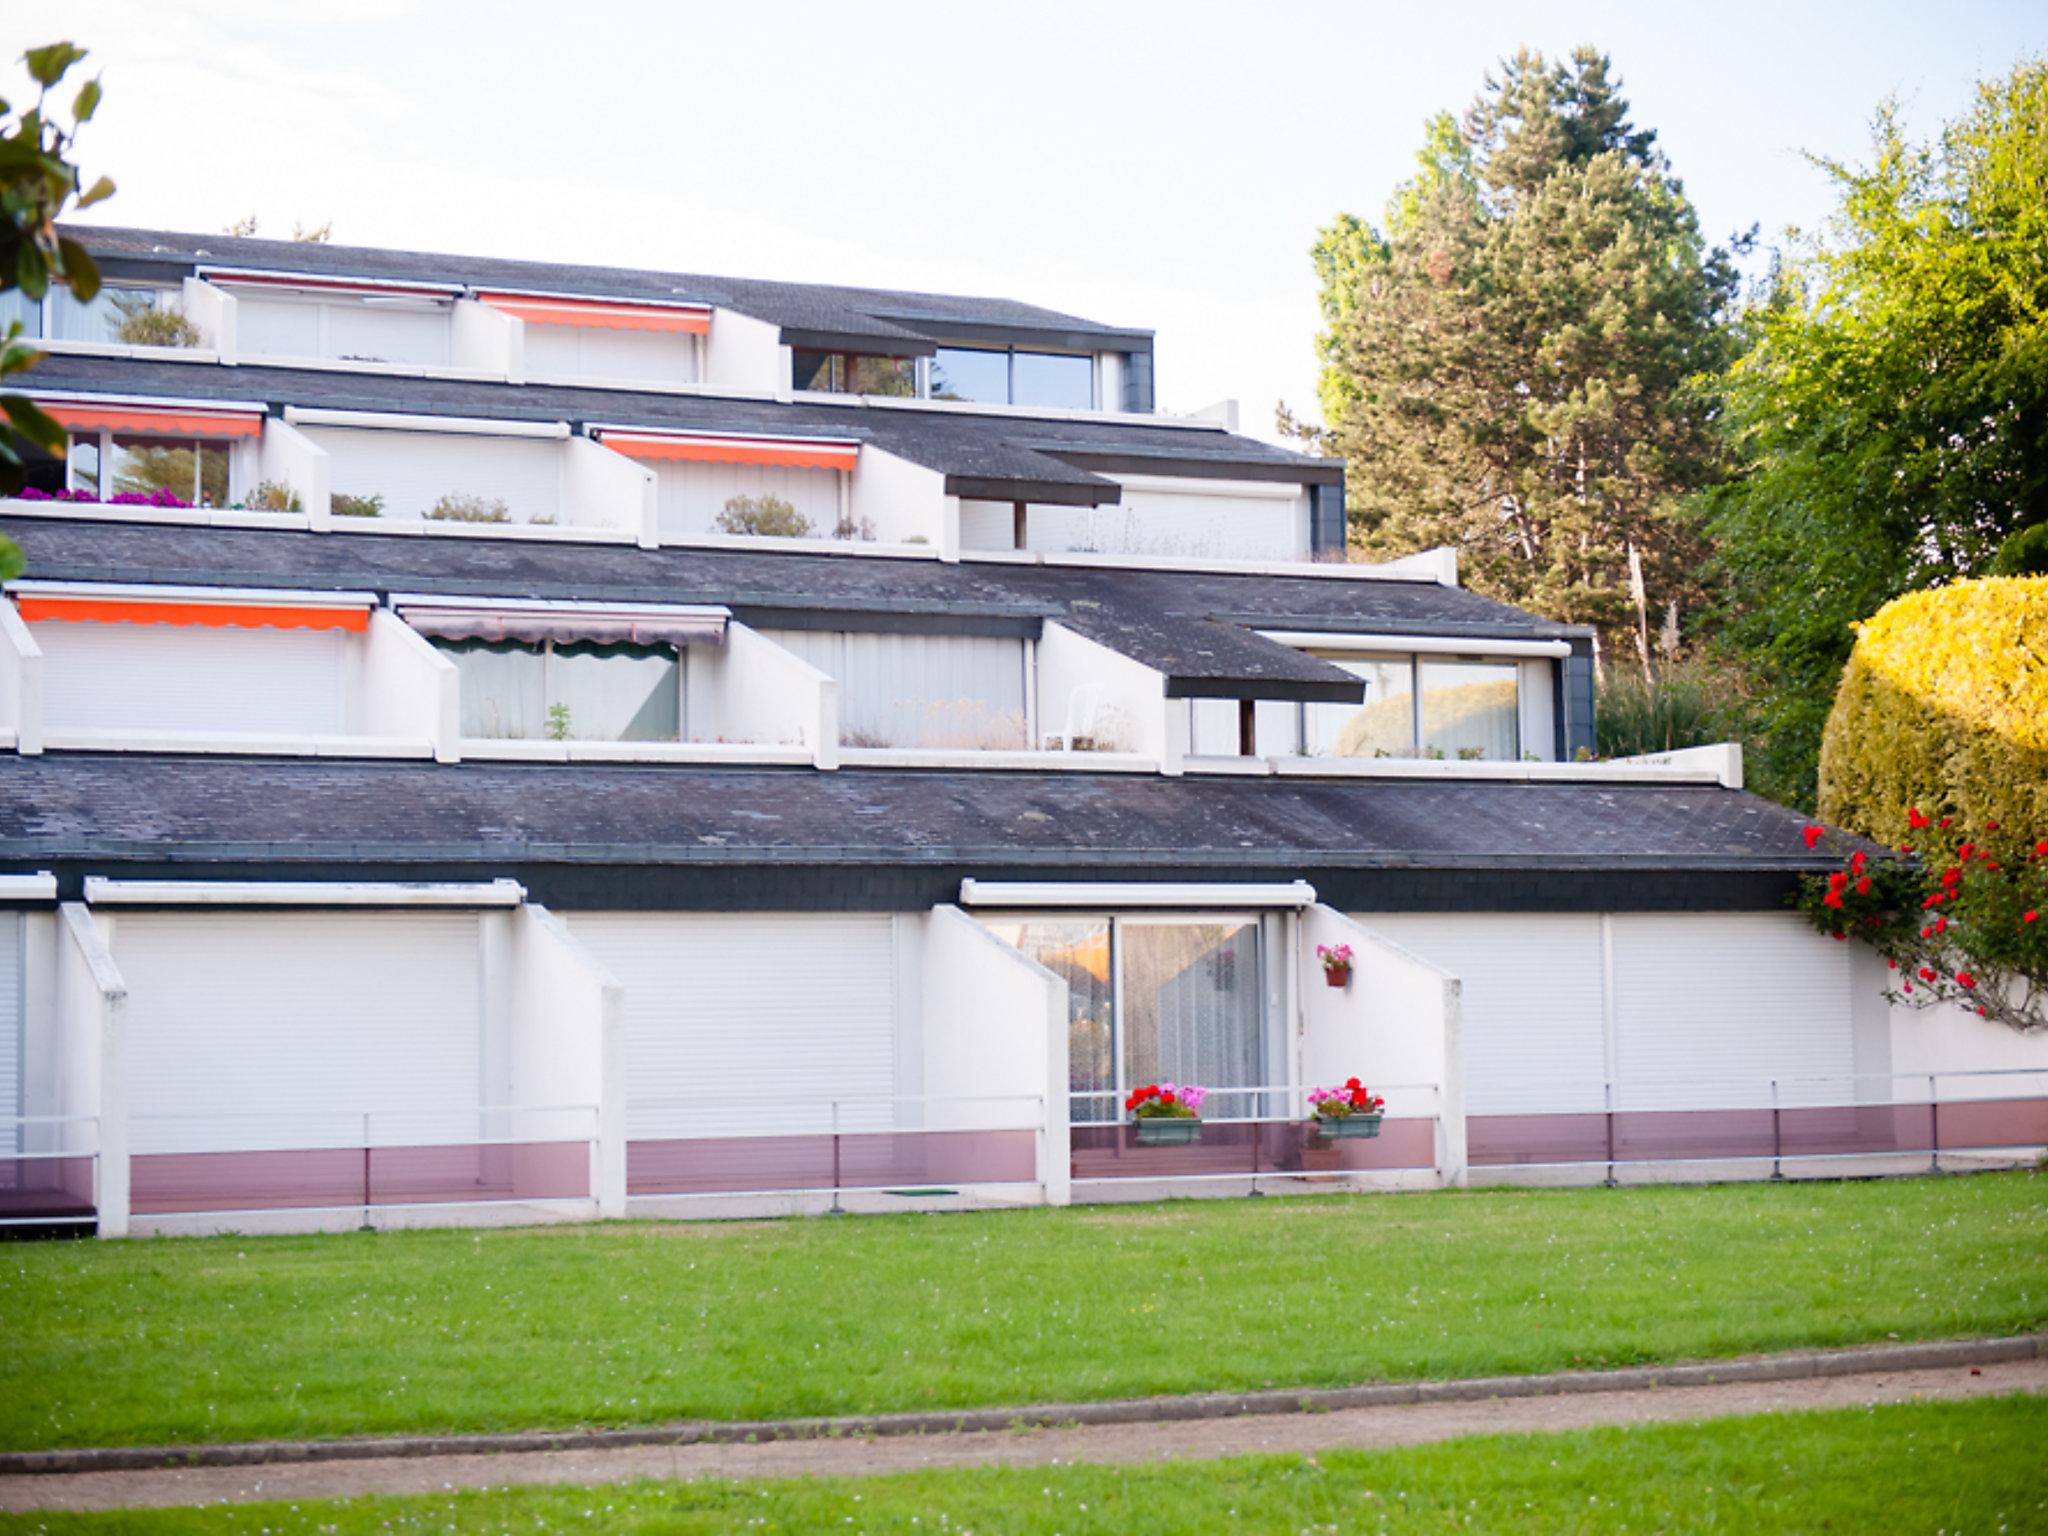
<point x="1161" y="165"/>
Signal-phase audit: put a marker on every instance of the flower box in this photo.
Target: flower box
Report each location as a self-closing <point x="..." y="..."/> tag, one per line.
<point x="1168" y="1131"/>
<point x="1345" y="1127"/>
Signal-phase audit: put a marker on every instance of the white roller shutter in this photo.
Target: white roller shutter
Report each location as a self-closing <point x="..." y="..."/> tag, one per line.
<point x="1534" y="1025"/>
<point x="585" y="353"/>
<point x="192" y="677"/>
<point x="739" y="1022"/>
<point x="959" y="691"/>
<point x="287" y="1026"/>
<point x="1710" y="1006"/>
<point x="691" y="495"/>
<point x="12" y="1021"/>
<point x="388" y="331"/>
<point x="413" y="470"/>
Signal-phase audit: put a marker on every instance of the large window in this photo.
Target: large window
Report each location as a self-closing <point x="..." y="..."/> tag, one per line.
<point x="852" y="373"/>
<point x="194" y="470"/>
<point x="16" y="306"/>
<point x="991" y="376"/>
<point x="1464" y="710"/>
<point x="102" y="319"/>
<point x="568" y="692"/>
<point x="1153" y="1000"/>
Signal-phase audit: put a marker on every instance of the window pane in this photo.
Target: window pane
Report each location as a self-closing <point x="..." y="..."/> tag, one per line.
<point x="1383" y="727"/>
<point x="1078" y="952"/>
<point x="99" y="320"/>
<point x="143" y="466"/>
<point x="810" y="370"/>
<point x="1469" y="709"/>
<point x="504" y="696"/>
<point x="617" y="697"/>
<point x="880" y="375"/>
<point x="960" y="373"/>
<point x="1275" y="728"/>
<point x="16" y="305"/>
<point x="1192" y="1008"/>
<point x="1047" y="378"/>
<point x="82" y="463"/>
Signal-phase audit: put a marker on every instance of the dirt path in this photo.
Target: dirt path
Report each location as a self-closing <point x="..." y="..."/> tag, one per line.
<point x="1393" y="1425"/>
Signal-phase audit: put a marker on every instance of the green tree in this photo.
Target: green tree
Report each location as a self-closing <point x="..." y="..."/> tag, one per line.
<point x="1507" y="363"/>
<point x="1892" y="409"/>
<point x="36" y="184"/>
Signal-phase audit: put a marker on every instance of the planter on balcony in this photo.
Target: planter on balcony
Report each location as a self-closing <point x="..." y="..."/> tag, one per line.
<point x="1342" y="1127"/>
<point x="1168" y="1130"/>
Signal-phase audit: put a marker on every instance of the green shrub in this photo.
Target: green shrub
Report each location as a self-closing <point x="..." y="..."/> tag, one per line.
<point x="1679" y="710"/>
<point x="272" y="496"/>
<point x="764" y="516"/>
<point x="458" y="508"/>
<point x="2024" y="554"/>
<point x="144" y="325"/>
<point x="1943" y="706"/>
<point x="341" y="504"/>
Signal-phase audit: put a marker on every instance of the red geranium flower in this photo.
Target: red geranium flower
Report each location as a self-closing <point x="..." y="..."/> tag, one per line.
<point x="1814" y="835"/>
<point x="1914" y="819"/>
<point x="1965" y="979"/>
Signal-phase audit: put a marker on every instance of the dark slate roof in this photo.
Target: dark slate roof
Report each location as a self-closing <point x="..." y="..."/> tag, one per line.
<point x="1000" y="457"/>
<point x="1193" y="627"/>
<point x="815" y="313"/>
<point x="688" y="830"/>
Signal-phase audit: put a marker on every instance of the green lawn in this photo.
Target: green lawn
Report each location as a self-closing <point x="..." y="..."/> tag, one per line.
<point x="241" y="1338"/>
<point x="1903" y="1470"/>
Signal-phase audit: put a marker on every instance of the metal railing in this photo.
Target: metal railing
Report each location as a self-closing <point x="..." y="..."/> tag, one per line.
<point x="48" y="1185"/>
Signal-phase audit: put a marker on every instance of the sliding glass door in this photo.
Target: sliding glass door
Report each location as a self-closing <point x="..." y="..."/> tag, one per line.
<point x="1153" y="1000"/>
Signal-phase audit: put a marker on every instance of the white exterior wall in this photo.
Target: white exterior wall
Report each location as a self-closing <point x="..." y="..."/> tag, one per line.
<point x="13" y="1020"/>
<point x="1087" y="689"/>
<point x="896" y="690"/>
<point x="693" y="494"/>
<point x="85" y="1070"/>
<point x="1537" y="703"/>
<point x="589" y="354"/>
<point x="413" y="470"/>
<point x="751" y="690"/>
<point x="281" y="1029"/>
<point x="286" y="455"/>
<point x="906" y="503"/>
<point x="214" y="312"/>
<point x="741" y="352"/>
<point x="21" y="681"/>
<point x="602" y="489"/>
<point x="487" y="339"/>
<point x="735" y="1021"/>
<point x="1952" y="1040"/>
<point x="567" y="1042"/>
<point x="1682" y="1009"/>
<point x="273" y="326"/>
<point x="185" y="678"/>
<point x="404" y="689"/>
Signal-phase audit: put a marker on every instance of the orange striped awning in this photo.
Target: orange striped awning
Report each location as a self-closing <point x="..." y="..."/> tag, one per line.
<point x="790" y="452"/>
<point x="236" y="613"/>
<point x="603" y="314"/>
<point x="163" y="420"/>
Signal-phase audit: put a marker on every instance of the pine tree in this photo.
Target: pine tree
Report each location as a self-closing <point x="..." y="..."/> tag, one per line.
<point x="1507" y="366"/>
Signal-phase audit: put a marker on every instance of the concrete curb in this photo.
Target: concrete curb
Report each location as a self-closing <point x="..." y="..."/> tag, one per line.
<point x="1883" y="1358"/>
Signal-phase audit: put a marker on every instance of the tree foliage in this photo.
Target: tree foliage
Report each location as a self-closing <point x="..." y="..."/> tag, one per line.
<point x="1892" y="409"/>
<point x="1506" y="363"/>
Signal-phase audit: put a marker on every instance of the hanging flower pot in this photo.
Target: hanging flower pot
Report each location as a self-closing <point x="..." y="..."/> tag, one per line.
<point x="1336" y="963"/>
<point x="1165" y="1114"/>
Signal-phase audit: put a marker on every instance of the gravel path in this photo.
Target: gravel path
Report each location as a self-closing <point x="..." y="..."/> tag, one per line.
<point x="1391" y="1425"/>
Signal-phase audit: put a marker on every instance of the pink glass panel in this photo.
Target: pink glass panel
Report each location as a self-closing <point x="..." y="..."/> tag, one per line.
<point x="177" y="1182"/>
<point x="33" y="1187"/>
<point x="1266" y="1147"/>
<point x="721" y="1165"/>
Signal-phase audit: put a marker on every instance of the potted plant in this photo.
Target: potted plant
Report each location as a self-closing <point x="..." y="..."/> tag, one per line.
<point x="1336" y="960"/>
<point x="1166" y="1114"/>
<point x="1352" y="1110"/>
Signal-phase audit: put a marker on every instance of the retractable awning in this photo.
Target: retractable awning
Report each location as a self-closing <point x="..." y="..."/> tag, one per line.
<point x="533" y="623"/>
<point x="157" y="420"/>
<point x="319" y="283"/>
<point x="729" y="448"/>
<point x="212" y="607"/>
<point x="602" y="314"/>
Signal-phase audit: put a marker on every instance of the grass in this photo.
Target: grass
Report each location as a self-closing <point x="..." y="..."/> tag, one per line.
<point x="1905" y="1468"/>
<point x="242" y="1338"/>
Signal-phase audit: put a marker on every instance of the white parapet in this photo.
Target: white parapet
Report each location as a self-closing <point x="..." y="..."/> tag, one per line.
<point x="89" y="1003"/>
<point x="568" y="1039"/>
<point x="21" y="682"/>
<point x="603" y="489"/>
<point x="1092" y="698"/>
<point x="751" y="690"/>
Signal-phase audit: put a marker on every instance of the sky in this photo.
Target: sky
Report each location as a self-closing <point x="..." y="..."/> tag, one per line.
<point x="1164" y="165"/>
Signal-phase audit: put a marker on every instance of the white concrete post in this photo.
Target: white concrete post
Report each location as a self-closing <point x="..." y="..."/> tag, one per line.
<point x="92" y="999"/>
<point x="21" y="681"/>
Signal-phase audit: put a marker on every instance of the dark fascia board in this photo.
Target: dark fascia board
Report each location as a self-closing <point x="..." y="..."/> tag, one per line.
<point x="973" y="334"/>
<point x="854" y="341"/>
<point x="1299" y="471"/>
<point x="144" y="269"/>
<point x="1533" y="629"/>
<point x="1061" y="493"/>
<point x="1287" y="690"/>
<point x="826" y="887"/>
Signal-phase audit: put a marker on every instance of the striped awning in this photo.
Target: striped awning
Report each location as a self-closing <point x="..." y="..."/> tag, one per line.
<point x="602" y="314"/>
<point x="154" y="420"/>
<point x="678" y="627"/>
<point x="727" y="448"/>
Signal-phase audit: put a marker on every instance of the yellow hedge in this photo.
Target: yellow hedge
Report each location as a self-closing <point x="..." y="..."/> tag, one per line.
<point x="1944" y="705"/>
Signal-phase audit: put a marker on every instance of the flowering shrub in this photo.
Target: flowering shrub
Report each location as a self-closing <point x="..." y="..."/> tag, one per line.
<point x="1335" y="957"/>
<point x="156" y="498"/>
<point x="1960" y="917"/>
<point x="1165" y="1101"/>
<point x="1354" y="1098"/>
